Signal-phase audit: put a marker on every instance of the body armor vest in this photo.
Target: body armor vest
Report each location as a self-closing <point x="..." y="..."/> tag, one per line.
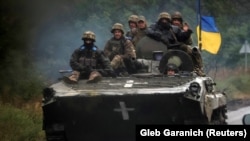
<point x="88" y="56"/>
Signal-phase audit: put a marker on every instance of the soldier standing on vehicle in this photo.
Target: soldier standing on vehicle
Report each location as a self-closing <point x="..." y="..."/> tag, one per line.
<point x="141" y="30"/>
<point x="172" y="36"/>
<point x="121" y="52"/>
<point x="177" y="20"/>
<point x="88" y="62"/>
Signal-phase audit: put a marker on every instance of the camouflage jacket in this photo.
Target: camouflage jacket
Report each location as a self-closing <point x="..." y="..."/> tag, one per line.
<point x="140" y="34"/>
<point x="189" y="41"/>
<point x="123" y="47"/>
<point x="85" y="58"/>
<point x="130" y="34"/>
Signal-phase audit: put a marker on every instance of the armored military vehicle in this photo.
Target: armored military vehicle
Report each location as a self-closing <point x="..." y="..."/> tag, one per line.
<point x="111" y="108"/>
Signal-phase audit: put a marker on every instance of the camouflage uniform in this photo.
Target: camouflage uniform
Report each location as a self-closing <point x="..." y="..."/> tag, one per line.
<point x="177" y="15"/>
<point x="86" y="59"/>
<point x="121" y="52"/>
<point x="141" y="32"/>
<point x="131" y="33"/>
<point x="89" y="62"/>
<point x="172" y="36"/>
<point x="196" y="55"/>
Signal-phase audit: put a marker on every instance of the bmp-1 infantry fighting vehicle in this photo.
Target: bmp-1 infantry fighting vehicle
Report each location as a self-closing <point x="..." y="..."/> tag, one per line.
<point x="111" y="109"/>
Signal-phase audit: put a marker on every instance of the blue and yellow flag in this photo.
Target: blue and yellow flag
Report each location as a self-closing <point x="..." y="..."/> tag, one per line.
<point x="210" y="36"/>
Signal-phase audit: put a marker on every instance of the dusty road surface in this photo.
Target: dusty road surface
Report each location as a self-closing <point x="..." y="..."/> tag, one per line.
<point x="235" y="117"/>
<point x="236" y="111"/>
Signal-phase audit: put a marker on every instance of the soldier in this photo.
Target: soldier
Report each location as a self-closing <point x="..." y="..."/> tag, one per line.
<point x="177" y="20"/>
<point x="121" y="52"/>
<point x="141" y="30"/>
<point x="169" y="34"/>
<point x="132" y="22"/>
<point x="88" y="62"/>
<point x="172" y="36"/>
<point x="171" y="69"/>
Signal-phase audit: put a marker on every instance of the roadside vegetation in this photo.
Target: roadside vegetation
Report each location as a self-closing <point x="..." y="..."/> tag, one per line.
<point x="21" y="120"/>
<point x="234" y="83"/>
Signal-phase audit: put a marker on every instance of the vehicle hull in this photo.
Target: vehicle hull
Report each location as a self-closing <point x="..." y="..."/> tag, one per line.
<point x="116" y="117"/>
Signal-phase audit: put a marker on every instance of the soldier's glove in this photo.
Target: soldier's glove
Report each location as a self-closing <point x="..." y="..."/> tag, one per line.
<point x="129" y="56"/>
<point x="132" y="59"/>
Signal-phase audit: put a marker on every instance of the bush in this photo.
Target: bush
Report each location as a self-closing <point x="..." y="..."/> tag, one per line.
<point x="20" y="124"/>
<point x="235" y="86"/>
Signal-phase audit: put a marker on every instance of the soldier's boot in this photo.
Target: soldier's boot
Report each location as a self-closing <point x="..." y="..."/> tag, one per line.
<point x="73" y="78"/>
<point x="94" y="77"/>
<point x="199" y="71"/>
<point x="196" y="57"/>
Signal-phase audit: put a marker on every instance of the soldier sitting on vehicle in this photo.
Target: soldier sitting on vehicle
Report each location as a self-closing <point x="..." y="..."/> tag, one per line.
<point x="88" y="62"/>
<point x="132" y="23"/>
<point x="141" y="30"/>
<point x="172" y="36"/>
<point x="177" y="20"/>
<point x="121" y="52"/>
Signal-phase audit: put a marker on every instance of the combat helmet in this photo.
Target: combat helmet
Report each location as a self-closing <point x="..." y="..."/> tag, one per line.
<point x="133" y="18"/>
<point x="172" y="67"/>
<point x="141" y="18"/>
<point x="164" y="15"/>
<point x="117" y="26"/>
<point x="177" y="15"/>
<point x="88" y="35"/>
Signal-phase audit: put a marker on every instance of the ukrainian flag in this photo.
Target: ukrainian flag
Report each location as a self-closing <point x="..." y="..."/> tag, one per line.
<point x="210" y="36"/>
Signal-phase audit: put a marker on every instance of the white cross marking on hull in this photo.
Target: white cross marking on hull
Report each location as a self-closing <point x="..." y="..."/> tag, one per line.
<point x="124" y="110"/>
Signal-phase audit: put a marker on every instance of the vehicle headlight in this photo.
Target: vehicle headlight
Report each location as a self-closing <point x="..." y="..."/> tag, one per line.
<point x="194" y="89"/>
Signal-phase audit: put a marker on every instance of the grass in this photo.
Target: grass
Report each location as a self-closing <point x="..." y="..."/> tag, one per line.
<point x="21" y="123"/>
<point x="235" y="83"/>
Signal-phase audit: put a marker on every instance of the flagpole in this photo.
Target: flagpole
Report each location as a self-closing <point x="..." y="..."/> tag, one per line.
<point x="199" y="23"/>
<point x="246" y="44"/>
<point x="246" y="62"/>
